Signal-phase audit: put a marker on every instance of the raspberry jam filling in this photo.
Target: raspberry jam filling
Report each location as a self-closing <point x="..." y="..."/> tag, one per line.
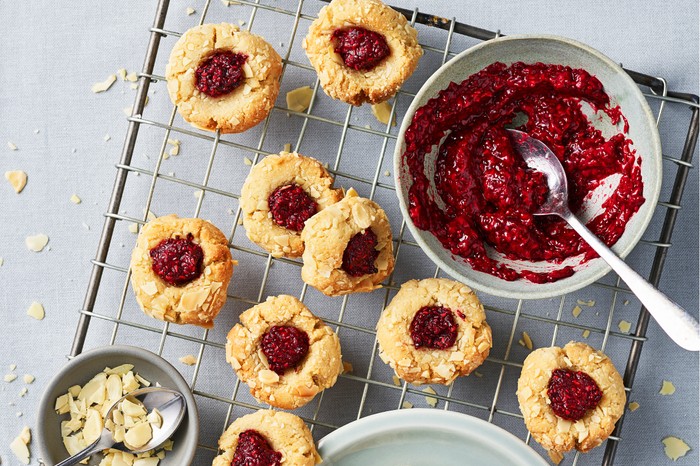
<point x="572" y="393"/>
<point x="291" y="206"/>
<point x="221" y="73"/>
<point x="177" y="261"/>
<point x="254" y="450"/>
<point x="360" y="254"/>
<point x="433" y="327"/>
<point x="284" y="347"/>
<point x="487" y="193"/>
<point x="360" y="48"/>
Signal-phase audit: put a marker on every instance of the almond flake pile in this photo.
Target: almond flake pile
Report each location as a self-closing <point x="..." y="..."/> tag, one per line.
<point x="675" y="447"/>
<point x="299" y="99"/>
<point x="20" y="445"/>
<point x="17" y="179"/>
<point x="88" y="405"/>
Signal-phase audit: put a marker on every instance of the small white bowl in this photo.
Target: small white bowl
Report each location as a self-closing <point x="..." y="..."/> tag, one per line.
<point x="85" y="366"/>
<point x="622" y="91"/>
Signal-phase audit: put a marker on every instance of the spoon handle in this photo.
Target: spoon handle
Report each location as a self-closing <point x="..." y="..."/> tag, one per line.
<point x="673" y="319"/>
<point x="105" y="441"/>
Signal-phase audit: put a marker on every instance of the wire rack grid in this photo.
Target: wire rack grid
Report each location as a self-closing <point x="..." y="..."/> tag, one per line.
<point x="369" y="387"/>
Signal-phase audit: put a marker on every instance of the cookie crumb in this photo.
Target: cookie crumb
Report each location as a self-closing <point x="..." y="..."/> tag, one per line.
<point x="36" y="243"/>
<point x="36" y="311"/>
<point x="104" y="85"/>
<point x="675" y="447"/>
<point x="576" y="311"/>
<point x="430" y="400"/>
<point x="396" y="380"/>
<point x="299" y="99"/>
<point x="387" y="173"/>
<point x="406" y="405"/>
<point x="247" y="161"/>
<point x="75" y="199"/>
<point x="17" y="179"/>
<point x="624" y="326"/>
<point x="28" y="378"/>
<point x="633" y="406"/>
<point x="190" y="11"/>
<point x="382" y="112"/>
<point x="555" y="456"/>
<point x="347" y="368"/>
<point x="9" y="378"/>
<point x="188" y="360"/>
<point x="11" y="145"/>
<point x="586" y="333"/>
<point x="667" y="388"/>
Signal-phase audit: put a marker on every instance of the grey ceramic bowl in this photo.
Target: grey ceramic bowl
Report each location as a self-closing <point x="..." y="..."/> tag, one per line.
<point x="82" y="368"/>
<point x="622" y="91"/>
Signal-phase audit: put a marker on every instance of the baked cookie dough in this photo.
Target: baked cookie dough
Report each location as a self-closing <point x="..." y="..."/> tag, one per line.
<point x="348" y="247"/>
<point x="180" y="270"/>
<point x="283" y="352"/>
<point x="433" y="331"/>
<point x="222" y="78"/>
<point x="275" y="436"/>
<point x="362" y="50"/>
<point x="572" y="395"/>
<point x="279" y="195"/>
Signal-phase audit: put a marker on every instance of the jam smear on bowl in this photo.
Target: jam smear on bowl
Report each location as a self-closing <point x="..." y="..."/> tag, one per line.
<point x="177" y="261"/>
<point x="291" y="206"/>
<point x="360" y="48"/>
<point x="284" y="347"/>
<point x="221" y="73"/>
<point x="360" y="254"/>
<point x="254" y="450"/>
<point x="572" y="393"/>
<point x="488" y="192"/>
<point x="433" y="327"/>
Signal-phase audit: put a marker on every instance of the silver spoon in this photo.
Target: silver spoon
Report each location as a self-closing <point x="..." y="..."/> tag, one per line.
<point x="676" y="322"/>
<point x="170" y="404"/>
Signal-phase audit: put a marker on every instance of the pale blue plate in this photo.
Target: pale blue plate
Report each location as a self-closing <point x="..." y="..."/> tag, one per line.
<point x="424" y="437"/>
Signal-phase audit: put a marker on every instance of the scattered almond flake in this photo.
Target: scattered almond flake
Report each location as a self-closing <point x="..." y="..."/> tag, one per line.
<point x="73" y="150"/>
<point x="19" y="445"/>
<point x="299" y="99"/>
<point x="190" y="11"/>
<point x="36" y="243"/>
<point x="241" y="22"/>
<point x="13" y="367"/>
<point x="18" y="414"/>
<point x="577" y="311"/>
<point x="2" y="261"/>
<point x="229" y="2"/>
<point x="131" y="77"/>
<point x="382" y="112"/>
<point x="368" y="127"/>
<point x="406" y="405"/>
<point x="104" y="85"/>
<point x="107" y="137"/>
<point x="396" y="380"/>
<point x="128" y="110"/>
<point x="17" y="179"/>
<point x="134" y="86"/>
<point x="478" y="374"/>
<point x="675" y="447"/>
<point x="36" y="310"/>
<point x="175" y="149"/>
<point x="667" y="388"/>
<point x="150" y="215"/>
<point x="589" y="303"/>
<point x="86" y="226"/>
<point x="626" y="302"/>
<point x="9" y="378"/>
<point x="586" y="333"/>
<point x="633" y="406"/>
<point x="624" y="326"/>
<point x="288" y="147"/>
<point x="133" y="228"/>
<point x="347" y="367"/>
<point x="36" y="131"/>
<point x="527" y="340"/>
<point x="430" y="400"/>
<point x="121" y="72"/>
<point x="28" y="378"/>
<point x="188" y="360"/>
<point x="11" y="145"/>
<point x="387" y="173"/>
<point x="75" y="199"/>
<point x="198" y="193"/>
<point x="23" y="391"/>
<point x="247" y="161"/>
<point x="555" y="456"/>
<point x="240" y="222"/>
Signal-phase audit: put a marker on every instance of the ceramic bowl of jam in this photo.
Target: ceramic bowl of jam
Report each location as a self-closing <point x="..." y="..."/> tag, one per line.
<point x="467" y="196"/>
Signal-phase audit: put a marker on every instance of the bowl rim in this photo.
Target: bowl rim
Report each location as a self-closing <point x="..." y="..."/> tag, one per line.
<point x="46" y="404"/>
<point x="603" y="268"/>
<point x="423" y="418"/>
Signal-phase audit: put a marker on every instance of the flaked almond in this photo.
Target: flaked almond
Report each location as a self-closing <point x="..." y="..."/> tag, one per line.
<point x="17" y="179"/>
<point x="104" y="85"/>
<point x="36" y="311"/>
<point x="667" y="388"/>
<point x="150" y="288"/>
<point x="406" y="405"/>
<point x="75" y="199"/>
<point x="633" y="406"/>
<point x="577" y="311"/>
<point x="624" y="326"/>
<point x="299" y="99"/>
<point x="188" y="360"/>
<point x="675" y="447"/>
<point x="382" y="112"/>
<point x="36" y="243"/>
<point x="267" y="376"/>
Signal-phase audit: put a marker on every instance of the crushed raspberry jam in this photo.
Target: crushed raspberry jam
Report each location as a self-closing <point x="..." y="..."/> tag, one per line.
<point x="433" y="327"/>
<point x="489" y="194"/>
<point x="177" y="261"/>
<point x="291" y="207"/>
<point x="360" y="254"/>
<point x="360" y="48"/>
<point x="220" y="73"/>
<point x="254" y="450"/>
<point x="284" y="347"/>
<point x="572" y="393"/>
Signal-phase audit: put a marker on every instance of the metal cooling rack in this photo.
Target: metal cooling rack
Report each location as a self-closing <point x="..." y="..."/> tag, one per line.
<point x="506" y="316"/>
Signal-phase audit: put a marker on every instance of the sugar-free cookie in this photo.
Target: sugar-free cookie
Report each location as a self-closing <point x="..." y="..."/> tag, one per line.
<point x="433" y="331"/>
<point x="267" y="437"/>
<point x="283" y="352"/>
<point x="571" y="397"/>
<point x="280" y="194"/>
<point x="180" y="270"/>
<point x="222" y="78"/>
<point x="362" y="50"/>
<point x="348" y="247"/>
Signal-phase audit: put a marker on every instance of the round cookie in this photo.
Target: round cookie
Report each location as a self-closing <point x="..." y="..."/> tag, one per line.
<point x="268" y="352"/>
<point x="222" y="78"/>
<point x="433" y="331"/>
<point x="279" y="195"/>
<point x="556" y="433"/>
<point x="285" y="435"/>
<point x="348" y="247"/>
<point x="180" y="270"/>
<point x="352" y="27"/>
